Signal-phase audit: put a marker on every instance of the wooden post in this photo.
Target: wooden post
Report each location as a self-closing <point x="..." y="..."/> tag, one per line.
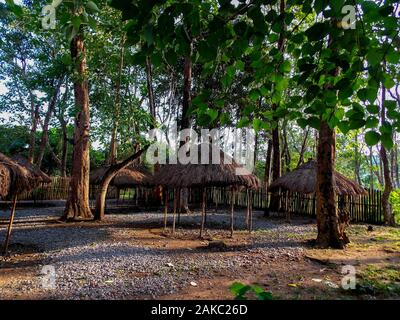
<point x="203" y="213"/>
<point x="251" y="212"/>
<point x="179" y="206"/>
<point x="205" y="207"/>
<point x="216" y="194"/>
<point x="166" y="201"/>
<point x="248" y="209"/>
<point x="10" y="225"/>
<point x="232" y="208"/>
<point x="174" y="220"/>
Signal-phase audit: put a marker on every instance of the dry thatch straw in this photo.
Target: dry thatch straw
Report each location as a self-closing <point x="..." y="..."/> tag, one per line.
<point x="17" y="179"/>
<point x="39" y="175"/>
<point x="129" y="177"/>
<point x="5" y="180"/>
<point x="225" y="173"/>
<point x="304" y="180"/>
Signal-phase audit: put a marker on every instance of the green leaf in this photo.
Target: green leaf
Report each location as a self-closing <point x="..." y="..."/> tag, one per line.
<point x="372" y="108"/>
<point x="387" y="141"/>
<point x="285" y="67"/>
<point x="213" y="114"/>
<point x="374" y="57"/>
<point x="148" y="34"/>
<point x="372" y="138"/>
<point x="76" y="22"/>
<point x="257" y="124"/>
<point x="372" y="122"/>
<point x="92" y="7"/>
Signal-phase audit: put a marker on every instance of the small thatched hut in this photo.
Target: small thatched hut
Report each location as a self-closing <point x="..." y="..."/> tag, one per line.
<point x="14" y="178"/>
<point x="222" y="172"/>
<point x="39" y="176"/>
<point x="304" y="180"/>
<point x="17" y="175"/>
<point x="129" y="177"/>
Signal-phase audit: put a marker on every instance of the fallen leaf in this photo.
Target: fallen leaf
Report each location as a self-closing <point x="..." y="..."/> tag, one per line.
<point x="193" y="284"/>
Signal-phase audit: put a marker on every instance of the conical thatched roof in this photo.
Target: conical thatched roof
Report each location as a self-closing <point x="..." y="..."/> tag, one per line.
<point x="20" y="176"/>
<point x="34" y="170"/>
<point x="5" y="179"/>
<point x="304" y="180"/>
<point x="225" y="173"/>
<point x="128" y="177"/>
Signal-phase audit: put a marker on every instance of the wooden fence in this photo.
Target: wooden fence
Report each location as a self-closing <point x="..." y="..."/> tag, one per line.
<point x="362" y="209"/>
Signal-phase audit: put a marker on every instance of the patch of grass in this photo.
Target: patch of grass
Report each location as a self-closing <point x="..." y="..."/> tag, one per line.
<point x="377" y="280"/>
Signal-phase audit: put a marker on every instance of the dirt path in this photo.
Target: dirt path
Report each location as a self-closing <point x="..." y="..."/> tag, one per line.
<point x="131" y="257"/>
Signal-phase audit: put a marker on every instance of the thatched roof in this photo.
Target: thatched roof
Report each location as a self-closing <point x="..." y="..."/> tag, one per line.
<point x="304" y="180"/>
<point x="16" y="177"/>
<point x="128" y="177"/>
<point x="34" y="170"/>
<point x="225" y="173"/>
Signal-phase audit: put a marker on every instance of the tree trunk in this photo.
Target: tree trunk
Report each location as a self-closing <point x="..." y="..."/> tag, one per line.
<point x="112" y="157"/>
<point x="327" y="215"/>
<point x="387" y="208"/>
<point x="107" y="178"/>
<point x="276" y="158"/>
<point x="45" y="129"/>
<point x="32" y="137"/>
<point x="356" y="160"/>
<point x="64" y="152"/>
<point x="267" y="174"/>
<point x="187" y="95"/>
<point x="77" y="207"/>
<point x="303" y="148"/>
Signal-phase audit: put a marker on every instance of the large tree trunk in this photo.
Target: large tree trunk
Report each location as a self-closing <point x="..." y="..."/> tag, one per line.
<point x="112" y="157"/>
<point x="185" y="122"/>
<point x="276" y="158"/>
<point x="45" y="129"/>
<point x="32" y="137"/>
<point x="77" y="207"/>
<point x="329" y="229"/>
<point x="107" y="178"/>
<point x="387" y="208"/>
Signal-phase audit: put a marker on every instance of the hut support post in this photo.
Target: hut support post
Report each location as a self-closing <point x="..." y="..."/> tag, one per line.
<point x="6" y="243"/>
<point x="251" y="212"/>
<point x="179" y="206"/>
<point x="232" y="209"/>
<point x="174" y="219"/>
<point x="203" y="213"/>
<point x="166" y="200"/>
<point x="248" y="210"/>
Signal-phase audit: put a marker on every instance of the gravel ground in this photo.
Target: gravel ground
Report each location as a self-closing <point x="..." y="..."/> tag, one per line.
<point x="106" y="262"/>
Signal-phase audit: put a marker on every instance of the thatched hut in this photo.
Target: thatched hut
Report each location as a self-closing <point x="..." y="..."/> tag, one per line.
<point x="39" y="176"/>
<point x="17" y="175"/>
<point x="131" y="176"/>
<point x="222" y="172"/>
<point x="304" y="180"/>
